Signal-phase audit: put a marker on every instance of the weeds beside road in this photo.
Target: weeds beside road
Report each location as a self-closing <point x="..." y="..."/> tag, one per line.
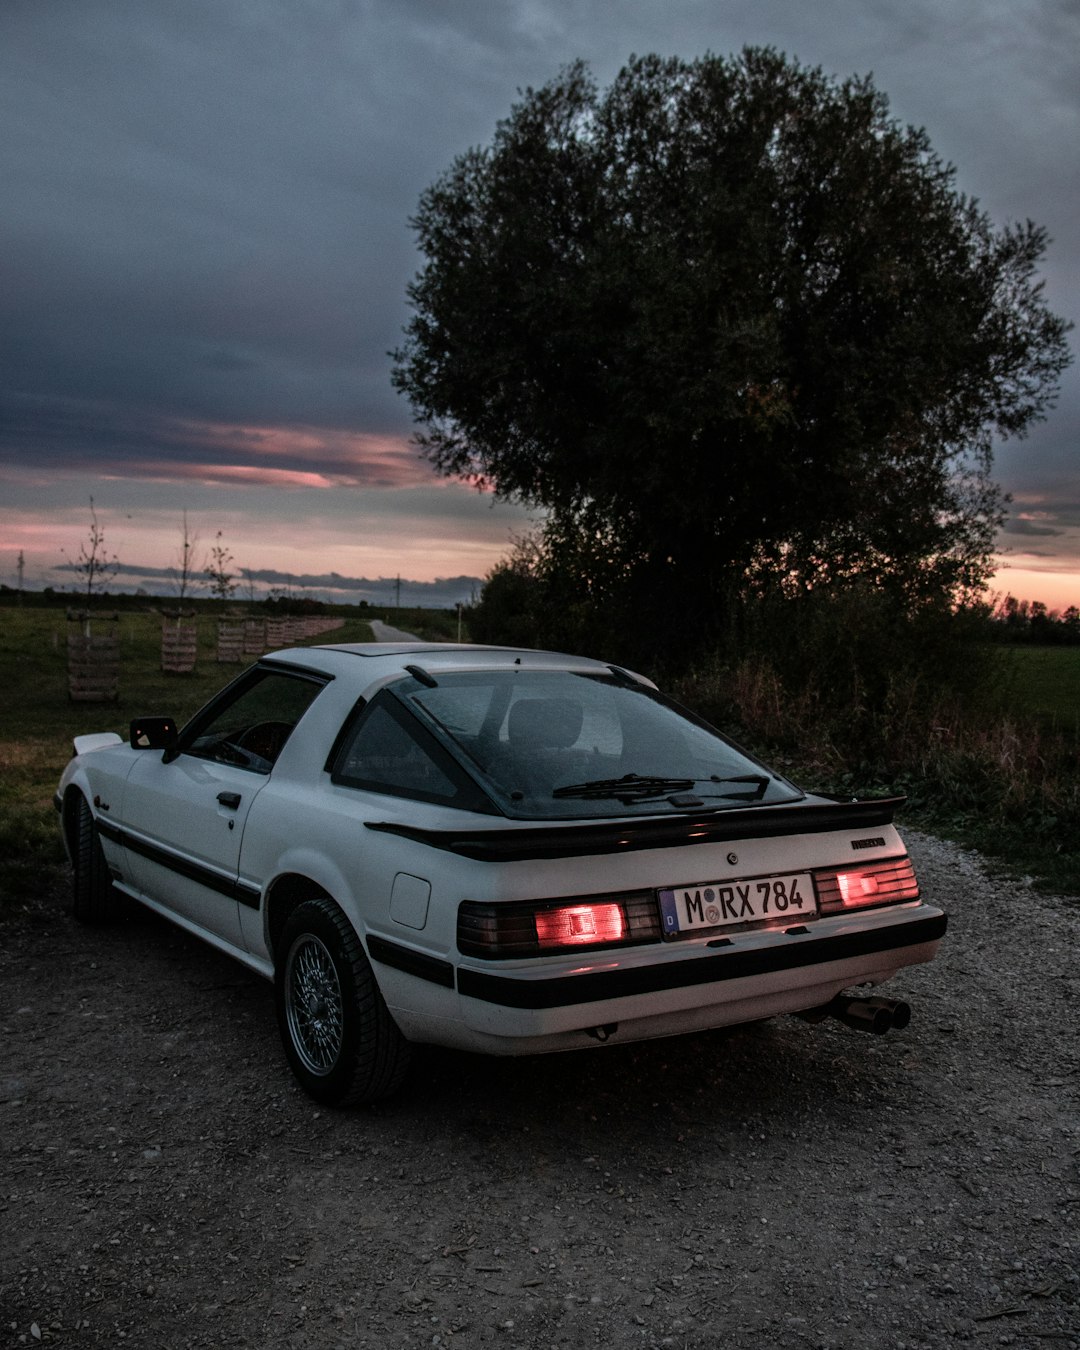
<point x="990" y="776"/>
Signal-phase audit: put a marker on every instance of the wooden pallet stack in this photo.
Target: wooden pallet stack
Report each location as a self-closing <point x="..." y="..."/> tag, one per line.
<point x="93" y="658"/>
<point x="179" y="645"/>
<point x="230" y="642"/>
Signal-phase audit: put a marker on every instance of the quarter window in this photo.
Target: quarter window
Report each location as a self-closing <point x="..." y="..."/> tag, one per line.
<point x="388" y="751"/>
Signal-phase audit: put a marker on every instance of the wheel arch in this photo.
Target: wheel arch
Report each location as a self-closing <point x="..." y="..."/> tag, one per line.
<point x="284" y="895"/>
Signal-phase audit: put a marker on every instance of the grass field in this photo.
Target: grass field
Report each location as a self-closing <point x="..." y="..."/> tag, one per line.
<point x="963" y="787"/>
<point x="1045" y="682"/>
<point x="38" y="721"/>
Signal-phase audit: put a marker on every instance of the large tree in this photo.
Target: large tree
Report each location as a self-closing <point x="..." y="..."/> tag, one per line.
<point x="728" y="320"/>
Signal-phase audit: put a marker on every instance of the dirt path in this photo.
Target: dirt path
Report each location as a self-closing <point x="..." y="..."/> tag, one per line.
<point x="164" y="1184"/>
<point x="384" y="633"/>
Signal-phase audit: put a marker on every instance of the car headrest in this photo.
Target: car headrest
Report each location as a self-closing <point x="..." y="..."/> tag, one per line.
<point x="544" y="723"/>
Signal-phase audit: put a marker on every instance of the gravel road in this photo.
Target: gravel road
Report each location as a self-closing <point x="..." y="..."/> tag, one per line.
<point x="164" y="1183"/>
<point x="384" y="633"/>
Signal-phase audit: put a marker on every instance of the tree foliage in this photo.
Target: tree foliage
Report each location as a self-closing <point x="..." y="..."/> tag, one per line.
<point x="94" y="565"/>
<point x="219" y="573"/>
<point x="510" y="602"/>
<point x="727" y="320"/>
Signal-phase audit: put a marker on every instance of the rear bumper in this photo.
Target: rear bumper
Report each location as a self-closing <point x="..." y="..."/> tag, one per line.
<point x="667" y="989"/>
<point x="783" y="952"/>
<point x="758" y="975"/>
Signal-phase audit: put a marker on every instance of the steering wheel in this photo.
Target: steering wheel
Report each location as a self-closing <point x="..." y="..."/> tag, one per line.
<point x="264" y="740"/>
<point x="256" y="747"/>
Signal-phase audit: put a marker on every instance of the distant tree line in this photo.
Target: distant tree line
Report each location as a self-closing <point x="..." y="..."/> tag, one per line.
<point x="1013" y="620"/>
<point x="275" y="603"/>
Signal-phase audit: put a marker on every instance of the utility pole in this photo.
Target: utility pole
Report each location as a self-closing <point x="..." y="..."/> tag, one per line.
<point x="397" y="592"/>
<point x="20" y="568"/>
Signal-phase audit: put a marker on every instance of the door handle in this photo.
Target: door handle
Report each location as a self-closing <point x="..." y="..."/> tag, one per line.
<point x="229" y="799"/>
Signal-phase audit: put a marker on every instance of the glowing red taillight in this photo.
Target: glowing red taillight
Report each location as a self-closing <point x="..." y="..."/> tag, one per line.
<point x="879" y="883"/>
<point x="508" y="929"/>
<point x="580" y="925"/>
<point x="857" y="888"/>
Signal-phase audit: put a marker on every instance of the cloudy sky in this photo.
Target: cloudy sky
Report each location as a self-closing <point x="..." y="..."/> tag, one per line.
<point x="204" y="249"/>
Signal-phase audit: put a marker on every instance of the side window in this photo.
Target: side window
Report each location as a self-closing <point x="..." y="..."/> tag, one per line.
<point x="250" y="728"/>
<point x="387" y="751"/>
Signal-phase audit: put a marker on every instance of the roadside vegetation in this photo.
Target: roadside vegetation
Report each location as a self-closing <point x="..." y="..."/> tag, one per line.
<point x="850" y="693"/>
<point x="988" y="763"/>
<point x="39" y="721"/>
<point x="982" y="737"/>
<point x="430" y="625"/>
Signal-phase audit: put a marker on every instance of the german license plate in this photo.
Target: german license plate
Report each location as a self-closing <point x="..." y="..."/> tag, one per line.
<point x="720" y="904"/>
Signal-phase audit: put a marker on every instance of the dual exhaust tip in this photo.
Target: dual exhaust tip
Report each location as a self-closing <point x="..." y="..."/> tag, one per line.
<point x="873" y="1015"/>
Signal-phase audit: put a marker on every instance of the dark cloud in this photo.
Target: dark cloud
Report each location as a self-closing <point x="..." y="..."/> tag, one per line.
<point x="1029" y="555"/>
<point x="204" y="213"/>
<point x="119" y="439"/>
<point x="1030" y="528"/>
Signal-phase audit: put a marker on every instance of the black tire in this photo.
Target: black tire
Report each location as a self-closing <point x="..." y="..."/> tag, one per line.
<point x="339" y="1038"/>
<point x="93" y="899"/>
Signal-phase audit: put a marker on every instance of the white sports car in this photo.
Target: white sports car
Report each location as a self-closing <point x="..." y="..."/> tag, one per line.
<point x="492" y="849"/>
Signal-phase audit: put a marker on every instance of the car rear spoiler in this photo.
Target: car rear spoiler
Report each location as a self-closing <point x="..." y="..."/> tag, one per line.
<point x="563" y="840"/>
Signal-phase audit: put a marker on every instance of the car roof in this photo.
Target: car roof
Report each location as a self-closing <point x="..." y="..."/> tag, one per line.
<point x="376" y="660"/>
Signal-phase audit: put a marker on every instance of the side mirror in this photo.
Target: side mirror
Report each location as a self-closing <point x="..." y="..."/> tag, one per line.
<point x="152" y="733"/>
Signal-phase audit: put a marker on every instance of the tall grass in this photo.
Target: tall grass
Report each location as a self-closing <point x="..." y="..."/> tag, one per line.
<point x="971" y="766"/>
<point x="853" y="690"/>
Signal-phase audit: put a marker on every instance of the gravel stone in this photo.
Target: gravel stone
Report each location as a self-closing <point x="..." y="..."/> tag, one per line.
<point x="164" y="1183"/>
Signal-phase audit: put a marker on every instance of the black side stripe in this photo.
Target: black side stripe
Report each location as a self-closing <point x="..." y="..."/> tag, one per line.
<point x="563" y="991"/>
<point x="429" y="968"/>
<point x="220" y="882"/>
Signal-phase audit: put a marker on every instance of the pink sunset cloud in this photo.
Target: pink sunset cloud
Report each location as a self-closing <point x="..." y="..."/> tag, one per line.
<point x="336" y="454"/>
<point x="238" y="474"/>
<point x="285" y="456"/>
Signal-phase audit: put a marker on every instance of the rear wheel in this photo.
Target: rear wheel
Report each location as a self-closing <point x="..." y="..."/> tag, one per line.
<point x="340" y="1040"/>
<point x="93" y="899"/>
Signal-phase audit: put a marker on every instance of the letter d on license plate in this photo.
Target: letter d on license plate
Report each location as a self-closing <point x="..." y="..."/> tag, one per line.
<point x="719" y="904"/>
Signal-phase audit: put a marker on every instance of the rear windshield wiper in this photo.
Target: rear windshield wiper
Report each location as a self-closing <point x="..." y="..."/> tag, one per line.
<point x="636" y="787"/>
<point x="630" y="787"/>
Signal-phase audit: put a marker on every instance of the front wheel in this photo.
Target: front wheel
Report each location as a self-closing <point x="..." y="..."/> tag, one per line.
<point x="340" y="1040"/>
<point x="93" y="899"/>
